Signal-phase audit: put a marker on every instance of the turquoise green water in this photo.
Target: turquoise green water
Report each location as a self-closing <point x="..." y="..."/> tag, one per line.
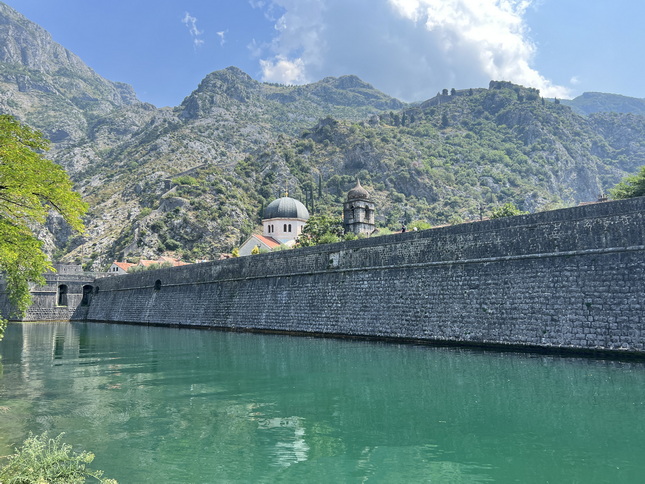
<point x="163" y="405"/>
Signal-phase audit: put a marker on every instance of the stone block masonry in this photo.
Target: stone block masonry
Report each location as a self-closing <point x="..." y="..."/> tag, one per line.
<point x="66" y="292"/>
<point x="571" y="278"/>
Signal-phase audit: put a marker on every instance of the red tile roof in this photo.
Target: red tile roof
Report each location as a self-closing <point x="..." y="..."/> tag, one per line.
<point x="268" y="241"/>
<point x="123" y="265"/>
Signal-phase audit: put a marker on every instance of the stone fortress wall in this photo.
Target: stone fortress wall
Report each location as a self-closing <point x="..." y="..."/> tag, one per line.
<point x="571" y="278"/>
<point x="48" y="303"/>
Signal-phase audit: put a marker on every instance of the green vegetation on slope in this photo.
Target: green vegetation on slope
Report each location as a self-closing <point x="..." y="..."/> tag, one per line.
<point x="195" y="186"/>
<point x="631" y="186"/>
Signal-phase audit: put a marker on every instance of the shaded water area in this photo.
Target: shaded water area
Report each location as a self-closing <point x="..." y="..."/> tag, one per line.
<point x="187" y="406"/>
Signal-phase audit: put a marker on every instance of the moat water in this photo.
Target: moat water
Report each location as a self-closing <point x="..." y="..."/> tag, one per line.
<point x="164" y="405"/>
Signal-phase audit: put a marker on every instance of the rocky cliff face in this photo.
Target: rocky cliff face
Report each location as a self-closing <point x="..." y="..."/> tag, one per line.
<point x="48" y="86"/>
<point x="287" y="109"/>
<point x="135" y="153"/>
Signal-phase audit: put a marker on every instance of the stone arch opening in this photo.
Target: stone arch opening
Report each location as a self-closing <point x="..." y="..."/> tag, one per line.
<point x="157" y="284"/>
<point x="62" y="295"/>
<point x="87" y="295"/>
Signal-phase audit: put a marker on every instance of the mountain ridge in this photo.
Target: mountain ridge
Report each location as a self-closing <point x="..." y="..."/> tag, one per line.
<point x="597" y="102"/>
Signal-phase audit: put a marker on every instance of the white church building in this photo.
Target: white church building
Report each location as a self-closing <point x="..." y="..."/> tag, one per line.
<point x="282" y="222"/>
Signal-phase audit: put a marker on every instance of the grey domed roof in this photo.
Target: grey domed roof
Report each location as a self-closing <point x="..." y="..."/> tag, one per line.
<point x="358" y="193"/>
<point x="286" y="207"/>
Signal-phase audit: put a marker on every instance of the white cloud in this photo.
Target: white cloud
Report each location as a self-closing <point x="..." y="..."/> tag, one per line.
<point x="221" y="36"/>
<point x="191" y="24"/>
<point x="408" y="48"/>
<point x="283" y="70"/>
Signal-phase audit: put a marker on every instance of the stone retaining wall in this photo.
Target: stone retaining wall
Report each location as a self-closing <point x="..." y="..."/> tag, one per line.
<point x="571" y="278"/>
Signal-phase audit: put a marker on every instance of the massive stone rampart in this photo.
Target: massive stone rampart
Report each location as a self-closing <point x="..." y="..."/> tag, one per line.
<point x="571" y="278"/>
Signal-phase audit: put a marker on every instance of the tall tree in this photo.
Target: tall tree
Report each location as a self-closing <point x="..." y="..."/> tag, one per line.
<point x="507" y="210"/>
<point x="30" y="187"/>
<point x="321" y="229"/>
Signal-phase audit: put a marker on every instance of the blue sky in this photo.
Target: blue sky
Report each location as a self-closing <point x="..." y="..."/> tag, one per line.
<point x="410" y="49"/>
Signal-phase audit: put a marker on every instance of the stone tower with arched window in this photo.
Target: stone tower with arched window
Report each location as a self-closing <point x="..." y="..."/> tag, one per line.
<point x="358" y="211"/>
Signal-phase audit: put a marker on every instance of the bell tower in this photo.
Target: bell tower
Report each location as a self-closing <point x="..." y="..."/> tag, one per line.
<point x="358" y="211"/>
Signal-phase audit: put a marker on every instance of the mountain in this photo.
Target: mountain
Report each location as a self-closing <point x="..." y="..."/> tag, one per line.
<point x="597" y="102"/>
<point x="48" y="86"/>
<point x="456" y="156"/>
<point x="283" y="108"/>
<point x="133" y="154"/>
<point x="192" y="180"/>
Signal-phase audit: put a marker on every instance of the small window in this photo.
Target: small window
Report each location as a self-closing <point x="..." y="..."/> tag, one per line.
<point x="289" y="227"/>
<point x="62" y="295"/>
<point x="157" y="284"/>
<point x="285" y="228"/>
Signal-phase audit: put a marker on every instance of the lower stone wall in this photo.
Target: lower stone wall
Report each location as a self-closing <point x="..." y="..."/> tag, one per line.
<point x="46" y="302"/>
<point x="571" y="278"/>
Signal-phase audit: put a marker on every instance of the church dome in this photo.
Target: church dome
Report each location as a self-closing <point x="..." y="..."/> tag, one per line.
<point x="286" y="207"/>
<point x="358" y="193"/>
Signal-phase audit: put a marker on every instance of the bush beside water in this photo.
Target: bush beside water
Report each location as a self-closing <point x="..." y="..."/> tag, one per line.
<point x="45" y="460"/>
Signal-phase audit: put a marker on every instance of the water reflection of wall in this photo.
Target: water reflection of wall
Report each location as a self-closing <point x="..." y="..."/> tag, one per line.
<point x="25" y="349"/>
